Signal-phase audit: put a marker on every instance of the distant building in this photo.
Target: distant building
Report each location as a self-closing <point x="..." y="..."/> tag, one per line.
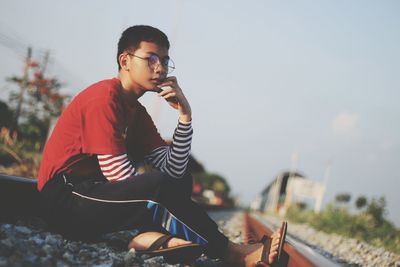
<point x="286" y="189"/>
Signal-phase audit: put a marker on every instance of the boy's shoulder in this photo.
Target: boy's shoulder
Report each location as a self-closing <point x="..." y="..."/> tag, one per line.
<point x="105" y="89"/>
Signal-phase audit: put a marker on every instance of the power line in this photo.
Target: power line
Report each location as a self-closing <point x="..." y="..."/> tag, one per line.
<point x="11" y="40"/>
<point x="15" y="46"/>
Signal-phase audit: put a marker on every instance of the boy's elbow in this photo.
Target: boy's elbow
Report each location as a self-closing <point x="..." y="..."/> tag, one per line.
<point x="176" y="174"/>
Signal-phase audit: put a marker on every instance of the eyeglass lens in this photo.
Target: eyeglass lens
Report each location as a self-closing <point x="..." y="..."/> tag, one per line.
<point x="154" y="59"/>
<point x="165" y="62"/>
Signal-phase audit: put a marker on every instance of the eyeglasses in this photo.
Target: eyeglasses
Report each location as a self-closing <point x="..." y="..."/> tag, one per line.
<point x="154" y="60"/>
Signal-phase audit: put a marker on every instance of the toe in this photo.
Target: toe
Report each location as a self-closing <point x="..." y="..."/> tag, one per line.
<point x="272" y="256"/>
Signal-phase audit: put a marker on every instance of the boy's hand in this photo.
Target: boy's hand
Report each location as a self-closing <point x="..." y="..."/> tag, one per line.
<point x="175" y="98"/>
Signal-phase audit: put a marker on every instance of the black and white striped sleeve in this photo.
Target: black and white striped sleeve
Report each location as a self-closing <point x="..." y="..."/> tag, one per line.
<point x="173" y="159"/>
<point x="116" y="167"/>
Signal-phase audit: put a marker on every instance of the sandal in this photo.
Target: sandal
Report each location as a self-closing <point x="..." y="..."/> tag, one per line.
<point x="266" y="241"/>
<point x="282" y="240"/>
<point x="172" y="255"/>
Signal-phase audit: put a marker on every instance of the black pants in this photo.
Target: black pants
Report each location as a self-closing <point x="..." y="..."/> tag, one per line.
<point x="149" y="202"/>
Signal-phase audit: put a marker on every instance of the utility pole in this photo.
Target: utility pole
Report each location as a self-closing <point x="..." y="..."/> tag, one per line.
<point x="322" y="190"/>
<point x="23" y="86"/>
<point x="45" y="61"/>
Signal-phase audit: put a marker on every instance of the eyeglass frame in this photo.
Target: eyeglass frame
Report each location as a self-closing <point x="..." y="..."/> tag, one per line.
<point x="172" y="68"/>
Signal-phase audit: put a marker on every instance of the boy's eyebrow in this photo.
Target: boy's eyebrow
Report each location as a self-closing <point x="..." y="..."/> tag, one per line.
<point x="152" y="53"/>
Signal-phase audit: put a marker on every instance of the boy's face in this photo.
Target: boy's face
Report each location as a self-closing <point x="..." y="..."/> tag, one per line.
<point x="146" y="70"/>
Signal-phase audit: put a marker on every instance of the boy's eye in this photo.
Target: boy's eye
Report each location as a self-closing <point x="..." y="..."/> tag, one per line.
<point x="153" y="59"/>
<point x="165" y="61"/>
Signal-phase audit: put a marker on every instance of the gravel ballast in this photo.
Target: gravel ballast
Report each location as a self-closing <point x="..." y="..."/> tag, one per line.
<point x="349" y="251"/>
<point x="28" y="243"/>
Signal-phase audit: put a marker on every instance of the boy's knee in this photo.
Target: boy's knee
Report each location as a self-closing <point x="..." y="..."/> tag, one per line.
<point x="182" y="185"/>
<point x="186" y="180"/>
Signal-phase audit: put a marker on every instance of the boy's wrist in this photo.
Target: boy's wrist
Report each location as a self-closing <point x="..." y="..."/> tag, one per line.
<point x="185" y="118"/>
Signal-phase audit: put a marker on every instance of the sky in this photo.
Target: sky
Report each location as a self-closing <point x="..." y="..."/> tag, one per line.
<point x="268" y="81"/>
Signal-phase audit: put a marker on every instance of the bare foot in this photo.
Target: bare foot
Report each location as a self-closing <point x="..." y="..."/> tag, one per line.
<point x="249" y="255"/>
<point x="144" y="240"/>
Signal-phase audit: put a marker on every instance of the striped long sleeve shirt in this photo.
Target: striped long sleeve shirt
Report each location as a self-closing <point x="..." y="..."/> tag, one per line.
<point x="170" y="159"/>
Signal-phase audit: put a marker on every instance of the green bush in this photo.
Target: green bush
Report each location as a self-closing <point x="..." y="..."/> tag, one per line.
<point x="369" y="226"/>
<point x="297" y="214"/>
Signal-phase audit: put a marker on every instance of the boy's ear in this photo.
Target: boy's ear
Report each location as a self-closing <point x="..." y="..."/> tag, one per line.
<point x="123" y="61"/>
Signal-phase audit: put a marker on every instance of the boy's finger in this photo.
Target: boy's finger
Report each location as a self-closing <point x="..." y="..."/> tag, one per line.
<point x="171" y="78"/>
<point x="170" y="95"/>
<point x="166" y="83"/>
<point x="165" y="90"/>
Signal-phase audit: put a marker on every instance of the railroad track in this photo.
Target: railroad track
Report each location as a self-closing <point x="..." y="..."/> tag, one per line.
<point x="18" y="197"/>
<point x="18" y="194"/>
<point x="295" y="253"/>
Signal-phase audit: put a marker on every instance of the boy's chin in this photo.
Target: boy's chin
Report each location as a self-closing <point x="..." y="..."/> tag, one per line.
<point x="153" y="88"/>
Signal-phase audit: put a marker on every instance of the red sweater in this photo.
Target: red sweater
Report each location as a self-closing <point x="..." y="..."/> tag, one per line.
<point x="98" y="121"/>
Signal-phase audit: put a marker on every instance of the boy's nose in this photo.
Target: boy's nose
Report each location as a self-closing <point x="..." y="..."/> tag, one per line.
<point x="160" y="68"/>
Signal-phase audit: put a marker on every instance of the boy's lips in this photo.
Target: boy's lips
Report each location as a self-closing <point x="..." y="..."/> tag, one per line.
<point x="157" y="80"/>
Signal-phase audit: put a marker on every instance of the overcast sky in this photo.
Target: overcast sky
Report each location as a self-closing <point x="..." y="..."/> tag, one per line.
<point x="268" y="81"/>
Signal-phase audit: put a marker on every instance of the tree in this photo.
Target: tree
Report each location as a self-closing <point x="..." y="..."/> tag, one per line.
<point x="36" y="104"/>
<point x="26" y="118"/>
<point x="215" y="183"/>
<point x="377" y="209"/>
<point x="361" y="202"/>
<point x="343" y="198"/>
<point x="43" y="97"/>
<point x="6" y="115"/>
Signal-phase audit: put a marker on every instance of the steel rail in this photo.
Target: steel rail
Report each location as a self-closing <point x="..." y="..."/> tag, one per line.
<point x="295" y="253"/>
<point x="18" y="197"/>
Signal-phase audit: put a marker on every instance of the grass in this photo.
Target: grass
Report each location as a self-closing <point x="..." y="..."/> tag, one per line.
<point x="363" y="225"/>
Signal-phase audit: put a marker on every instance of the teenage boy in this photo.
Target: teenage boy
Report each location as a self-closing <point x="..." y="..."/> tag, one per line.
<point x="88" y="178"/>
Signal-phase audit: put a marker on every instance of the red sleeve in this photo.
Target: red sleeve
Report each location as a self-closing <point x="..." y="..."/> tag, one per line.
<point x="103" y="127"/>
<point x="152" y="139"/>
<point x="143" y="137"/>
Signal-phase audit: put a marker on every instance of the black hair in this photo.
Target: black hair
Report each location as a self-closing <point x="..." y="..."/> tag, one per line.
<point x="131" y="38"/>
